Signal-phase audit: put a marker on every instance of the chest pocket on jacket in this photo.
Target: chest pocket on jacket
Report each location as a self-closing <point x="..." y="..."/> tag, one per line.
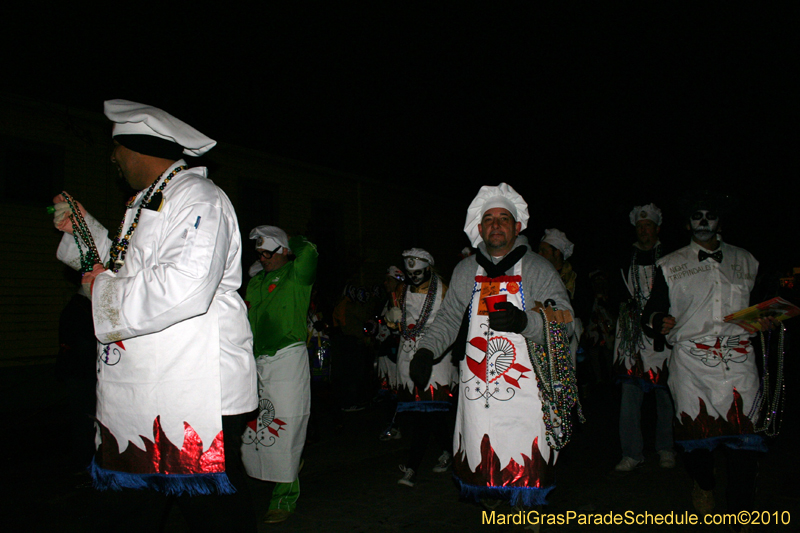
<point x="144" y="243"/>
<point x="197" y="252"/>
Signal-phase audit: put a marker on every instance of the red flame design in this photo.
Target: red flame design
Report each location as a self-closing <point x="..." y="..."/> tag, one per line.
<point x="658" y="376"/>
<point x="160" y="456"/>
<point x="438" y="393"/>
<point x="705" y="426"/>
<point x="534" y="472"/>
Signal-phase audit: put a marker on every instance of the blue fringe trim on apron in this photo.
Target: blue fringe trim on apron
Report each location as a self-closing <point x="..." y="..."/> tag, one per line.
<point x="171" y="485"/>
<point x="524" y="496"/>
<point x="736" y="442"/>
<point x="423" y="407"/>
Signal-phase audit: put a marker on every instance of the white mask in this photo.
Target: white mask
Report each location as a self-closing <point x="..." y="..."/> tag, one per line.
<point x="704" y="225"/>
<point x="418" y="277"/>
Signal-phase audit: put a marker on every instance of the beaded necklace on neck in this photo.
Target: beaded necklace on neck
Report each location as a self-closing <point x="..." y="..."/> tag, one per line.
<point x="408" y="332"/>
<point x="630" y="317"/>
<point x="119" y="248"/>
<point x="638" y="292"/>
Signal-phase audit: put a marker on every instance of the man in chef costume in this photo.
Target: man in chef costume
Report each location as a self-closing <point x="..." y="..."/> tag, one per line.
<point x="499" y="445"/>
<point x="175" y="368"/>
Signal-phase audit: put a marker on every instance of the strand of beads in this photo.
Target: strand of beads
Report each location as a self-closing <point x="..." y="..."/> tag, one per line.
<point x="555" y="376"/>
<point x="427" y="307"/>
<point x="81" y="229"/>
<point x="773" y="420"/>
<point x="119" y="248"/>
<point x="633" y="340"/>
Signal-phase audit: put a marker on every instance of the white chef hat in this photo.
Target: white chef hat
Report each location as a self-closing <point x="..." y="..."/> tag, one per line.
<point x="396" y="273"/>
<point x="558" y="239"/>
<point x="269" y="238"/>
<point x="646" y="212"/>
<point x="131" y="118"/>
<point x="417" y="258"/>
<point x="489" y="197"/>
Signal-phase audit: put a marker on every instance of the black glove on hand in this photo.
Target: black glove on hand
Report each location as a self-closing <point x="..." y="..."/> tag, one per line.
<point x="508" y="318"/>
<point x="421" y="367"/>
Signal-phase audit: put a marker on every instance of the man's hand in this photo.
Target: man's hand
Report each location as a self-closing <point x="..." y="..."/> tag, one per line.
<point x="768" y="323"/>
<point x="62" y="219"/>
<point x="421" y="367"/>
<point x="508" y="317"/>
<point x="667" y="324"/>
<point x="88" y="278"/>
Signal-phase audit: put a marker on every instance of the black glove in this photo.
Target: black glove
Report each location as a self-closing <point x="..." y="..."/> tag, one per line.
<point x="421" y="367"/>
<point x="508" y="318"/>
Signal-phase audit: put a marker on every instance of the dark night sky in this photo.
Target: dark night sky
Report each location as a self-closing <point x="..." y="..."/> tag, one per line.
<point x="585" y="110"/>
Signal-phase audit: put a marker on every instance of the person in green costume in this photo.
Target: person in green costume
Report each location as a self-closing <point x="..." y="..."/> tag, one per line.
<point x="278" y="296"/>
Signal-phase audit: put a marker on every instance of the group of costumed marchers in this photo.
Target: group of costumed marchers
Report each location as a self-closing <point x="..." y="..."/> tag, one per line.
<point x="506" y="437"/>
<point x="175" y="348"/>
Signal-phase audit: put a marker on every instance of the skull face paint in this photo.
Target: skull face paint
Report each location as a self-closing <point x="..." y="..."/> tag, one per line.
<point x="418" y="277"/>
<point x="704" y="225"/>
<point x="418" y="271"/>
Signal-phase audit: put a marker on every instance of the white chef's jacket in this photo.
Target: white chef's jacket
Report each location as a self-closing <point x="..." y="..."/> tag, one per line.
<point x="175" y="342"/>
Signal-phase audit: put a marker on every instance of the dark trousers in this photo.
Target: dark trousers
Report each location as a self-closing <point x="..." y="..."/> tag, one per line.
<point x="741" y="468"/>
<point x="147" y="510"/>
<point x="435" y="424"/>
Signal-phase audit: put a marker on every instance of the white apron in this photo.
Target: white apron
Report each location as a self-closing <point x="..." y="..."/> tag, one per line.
<point x="499" y="441"/>
<point x="714" y="382"/>
<point x="387" y="374"/>
<point x="443" y="374"/>
<point x="713" y="375"/>
<point x="644" y="363"/>
<point x="273" y="443"/>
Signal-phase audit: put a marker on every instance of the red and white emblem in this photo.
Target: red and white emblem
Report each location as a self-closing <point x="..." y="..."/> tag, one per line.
<point x="733" y="351"/>
<point x="265" y="421"/>
<point x="499" y="361"/>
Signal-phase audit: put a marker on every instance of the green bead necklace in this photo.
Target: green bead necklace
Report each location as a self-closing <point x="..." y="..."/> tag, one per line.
<point x="80" y="232"/>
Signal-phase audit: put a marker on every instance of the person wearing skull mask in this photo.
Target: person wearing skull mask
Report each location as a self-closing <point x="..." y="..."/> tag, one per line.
<point x="428" y="405"/>
<point x="713" y="375"/>
<point x="418" y="270"/>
